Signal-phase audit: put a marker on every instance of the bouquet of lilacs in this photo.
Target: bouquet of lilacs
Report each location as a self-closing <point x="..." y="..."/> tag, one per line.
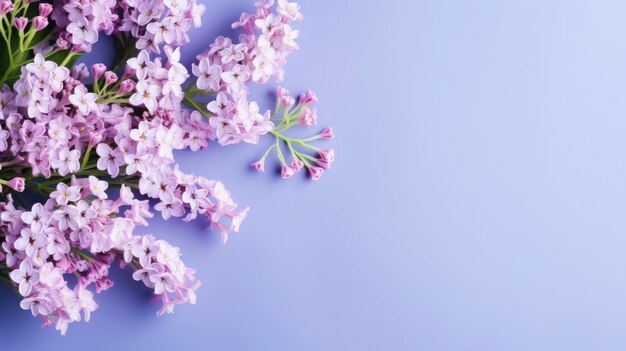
<point x="69" y="134"/>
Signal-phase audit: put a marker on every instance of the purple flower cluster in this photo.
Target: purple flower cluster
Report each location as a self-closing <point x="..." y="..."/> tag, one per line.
<point x="71" y="133"/>
<point x="150" y="22"/>
<point x="79" y="231"/>
<point x="65" y="124"/>
<point x="227" y="69"/>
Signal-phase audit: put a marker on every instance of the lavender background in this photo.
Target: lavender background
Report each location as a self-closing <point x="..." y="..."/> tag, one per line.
<point x="477" y="201"/>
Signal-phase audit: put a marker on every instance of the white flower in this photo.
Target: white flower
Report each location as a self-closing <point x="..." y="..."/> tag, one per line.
<point x="82" y="32"/>
<point x="290" y="10"/>
<point x="290" y="37"/>
<point x="98" y="187"/>
<point x="84" y="101"/>
<point x="141" y="64"/>
<point x="40" y="67"/>
<point x="146" y="94"/>
<point x="176" y="6"/>
<point x="263" y="67"/>
<point x="56" y="78"/>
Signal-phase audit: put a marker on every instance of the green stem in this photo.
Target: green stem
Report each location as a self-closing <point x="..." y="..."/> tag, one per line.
<point x="67" y="58"/>
<point x="86" y="157"/>
<point x="189" y="101"/>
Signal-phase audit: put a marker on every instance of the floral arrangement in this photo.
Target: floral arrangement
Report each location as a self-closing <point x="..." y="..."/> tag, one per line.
<point x="70" y="134"/>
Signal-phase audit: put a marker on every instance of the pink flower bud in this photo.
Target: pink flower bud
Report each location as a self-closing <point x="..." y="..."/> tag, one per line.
<point x="288" y="101"/>
<point x="309" y="117"/>
<point x="316" y="172"/>
<point x="62" y="43"/>
<point x="129" y="72"/>
<point x="18" y="184"/>
<point x="296" y="165"/>
<point x="110" y="78"/>
<point x="327" y="133"/>
<point x="259" y="165"/>
<point x="281" y="92"/>
<point x="40" y="22"/>
<point x="323" y="163"/>
<point x="94" y="138"/>
<point x="45" y="9"/>
<point x="286" y="172"/>
<point x="80" y="72"/>
<point x="307" y="98"/>
<point x="327" y="155"/>
<point x="20" y="23"/>
<point x="127" y="86"/>
<point x="80" y="48"/>
<point x="98" y="70"/>
<point x="6" y="6"/>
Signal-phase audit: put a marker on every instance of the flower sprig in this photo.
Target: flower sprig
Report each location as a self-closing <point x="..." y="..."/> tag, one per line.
<point x="299" y="149"/>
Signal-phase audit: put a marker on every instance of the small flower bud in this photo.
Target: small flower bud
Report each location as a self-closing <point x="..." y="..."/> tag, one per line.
<point x="62" y="43"/>
<point x="129" y="72"/>
<point x="323" y="163"/>
<point x="286" y="172"/>
<point x="309" y="117"/>
<point x="307" y="98"/>
<point x="45" y="9"/>
<point x="80" y="71"/>
<point x="281" y="92"/>
<point x="18" y="184"/>
<point x="98" y="70"/>
<point x="288" y="101"/>
<point x="40" y="22"/>
<point x="327" y="155"/>
<point x="110" y="78"/>
<point x="296" y="165"/>
<point x="94" y="138"/>
<point x="127" y="86"/>
<point x="6" y="6"/>
<point x="80" y="48"/>
<point x="259" y="165"/>
<point x="316" y="172"/>
<point x="20" y="23"/>
<point x="327" y="133"/>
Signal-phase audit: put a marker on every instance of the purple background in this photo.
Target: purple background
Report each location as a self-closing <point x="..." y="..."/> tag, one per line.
<point x="477" y="201"/>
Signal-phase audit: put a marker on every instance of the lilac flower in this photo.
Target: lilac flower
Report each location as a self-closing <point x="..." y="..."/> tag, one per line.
<point x="82" y="31"/>
<point x="135" y="163"/>
<point x="146" y="95"/>
<point x="208" y="75"/>
<point x="145" y="251"/>
<point x="98" y="187"/>
<point x="221" y="106"/>
<point x="110" y="160"/>
<point x="26" y="276"/>
<point x="37" y="218"/>
<point x="163" y="31"/>
<point x="145" y="136"/>
<point x="141" y="64"/>
<point x="29" y="241"/>
<point x="290" y="10"/>
<point x="235" y="78"/>
<point x="67" y="217"/>
<point x="66" y="161"/>
<point x="84" y="101"/>
<point x="64" y="194"/>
